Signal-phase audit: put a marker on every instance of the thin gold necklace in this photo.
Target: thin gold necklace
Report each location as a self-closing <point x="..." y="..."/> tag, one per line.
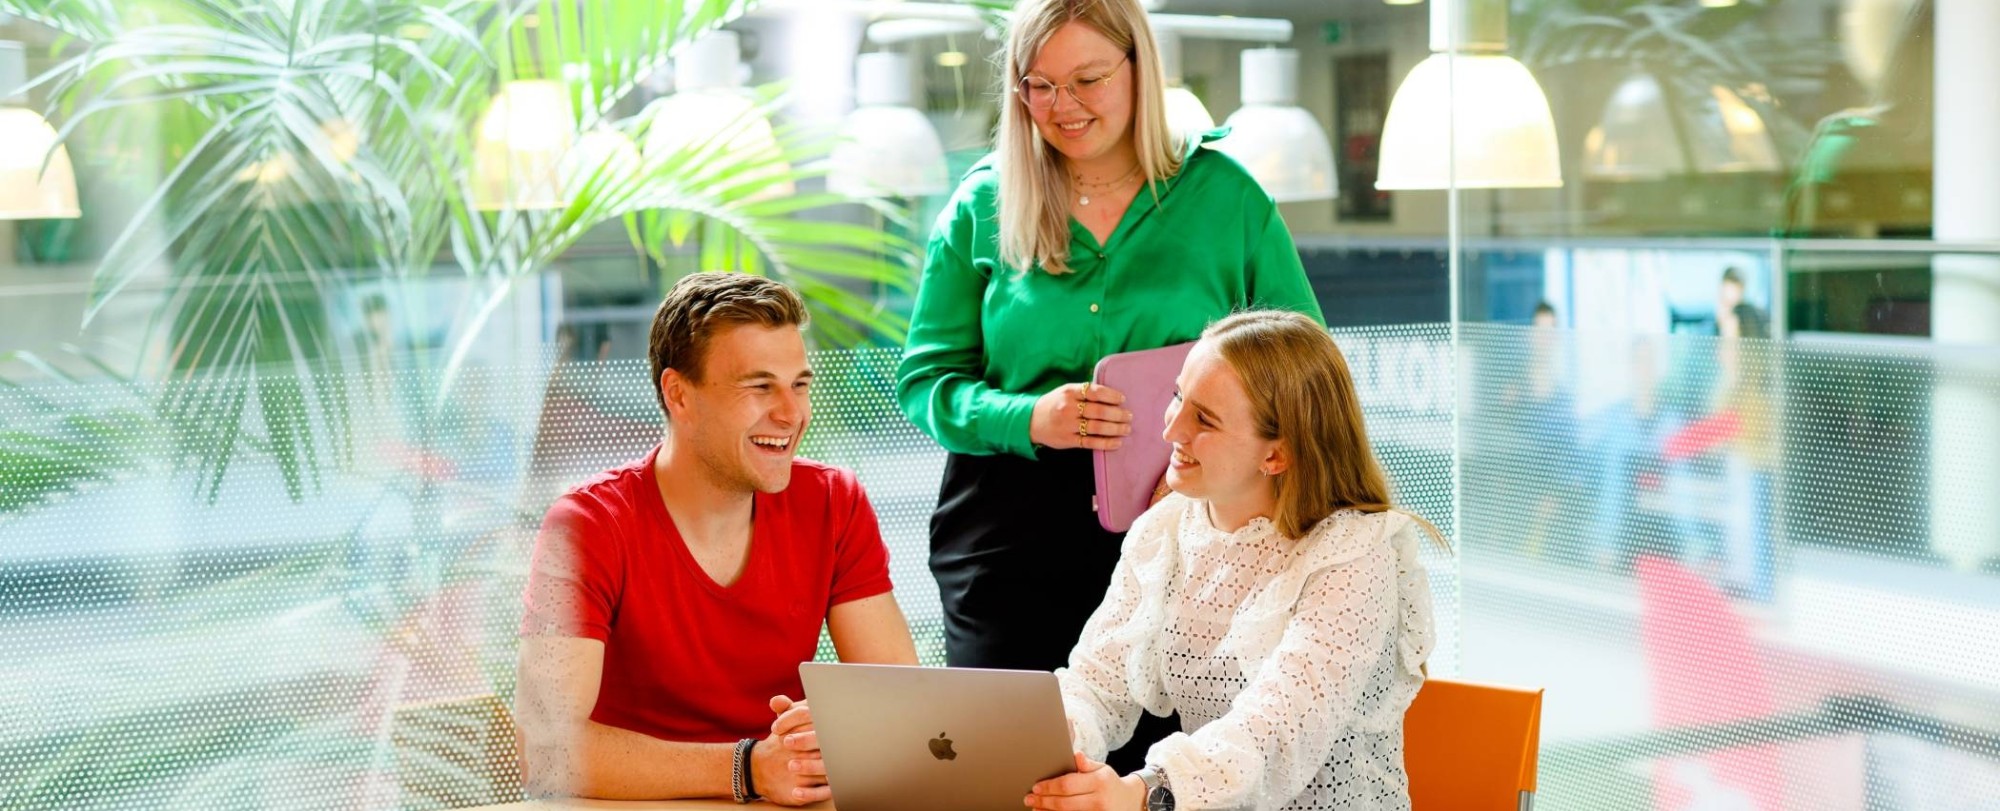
<point x="1083" y="193"/>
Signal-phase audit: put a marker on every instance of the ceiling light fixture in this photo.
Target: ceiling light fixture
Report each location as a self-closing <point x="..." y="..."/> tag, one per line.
<point x="886" y="146"/>
<point x="1469" y="116"/>
<point x="1649" y="133"/>
<point x="709" y="102"/>
<point x="36" y="179"/>
<point x="1281" y="144"/>
<point x="518" y="151"/>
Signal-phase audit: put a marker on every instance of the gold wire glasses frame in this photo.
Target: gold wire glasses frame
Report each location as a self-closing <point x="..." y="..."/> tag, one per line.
<point x="1040" y="94"/>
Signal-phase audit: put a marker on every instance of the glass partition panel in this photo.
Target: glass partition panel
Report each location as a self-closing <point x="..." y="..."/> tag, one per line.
<point x="174" y="639"/>
<point x="1749" y="572"/>
<point x="1728" y="395"/>
<point x="1710" y="420"/>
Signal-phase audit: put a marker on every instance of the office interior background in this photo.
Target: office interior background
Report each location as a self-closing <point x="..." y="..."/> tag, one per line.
<point x="1690" y="347"/>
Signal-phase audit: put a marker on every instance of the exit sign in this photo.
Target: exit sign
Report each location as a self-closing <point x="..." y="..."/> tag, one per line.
<point x="1333" y="32"/>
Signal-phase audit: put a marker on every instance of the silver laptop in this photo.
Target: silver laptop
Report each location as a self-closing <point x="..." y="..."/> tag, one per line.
<point x="901" y="738"/>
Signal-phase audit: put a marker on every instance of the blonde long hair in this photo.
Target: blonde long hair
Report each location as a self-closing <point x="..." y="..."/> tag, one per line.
<point x="1302" y="395"/>
<point x="1034" y="189"/>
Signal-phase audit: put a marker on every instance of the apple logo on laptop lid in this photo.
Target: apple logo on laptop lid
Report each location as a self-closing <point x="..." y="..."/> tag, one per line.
<point x="941" y="748"/>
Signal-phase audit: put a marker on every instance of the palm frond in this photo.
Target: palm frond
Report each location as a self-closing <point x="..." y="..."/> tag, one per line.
<point x="602" y="50"/>
<point x="253" y="217"/>
<point x="326" y="140"/>
<point x="737" y="201"/>
<point x="1739" y="48"/>
<point x="92" y="20"/>
<point x="751" y="229"/>
<point x="63" y="435"/>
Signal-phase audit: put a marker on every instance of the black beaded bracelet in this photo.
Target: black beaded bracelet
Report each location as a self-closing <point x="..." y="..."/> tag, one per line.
<point x="741" y="784"/>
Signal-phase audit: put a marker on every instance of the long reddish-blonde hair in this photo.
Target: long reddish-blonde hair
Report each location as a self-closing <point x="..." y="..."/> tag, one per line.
<point x="1302" y="396"/>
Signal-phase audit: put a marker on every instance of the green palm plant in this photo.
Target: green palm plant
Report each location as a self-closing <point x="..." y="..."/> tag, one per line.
<point x="55" y="442"/>
<point x="317" y="143"/>
<point x="313" y="146"/>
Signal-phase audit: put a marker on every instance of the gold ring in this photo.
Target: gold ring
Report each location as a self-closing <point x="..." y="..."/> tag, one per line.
<point x="1082" y="427"/>
<point x="1079" y="409"/>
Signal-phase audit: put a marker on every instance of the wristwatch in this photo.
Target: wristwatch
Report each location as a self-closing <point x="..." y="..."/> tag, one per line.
<point x="1159" y="795"/>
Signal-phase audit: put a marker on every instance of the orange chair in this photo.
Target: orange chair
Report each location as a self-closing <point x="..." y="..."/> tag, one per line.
<point x="1472" y="747"/>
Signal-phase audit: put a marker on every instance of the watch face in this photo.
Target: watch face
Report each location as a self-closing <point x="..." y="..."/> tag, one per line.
<point x="1160" y="798"/>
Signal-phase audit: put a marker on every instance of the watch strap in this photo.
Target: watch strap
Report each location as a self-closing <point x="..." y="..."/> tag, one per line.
<point x="1159" y="794"/>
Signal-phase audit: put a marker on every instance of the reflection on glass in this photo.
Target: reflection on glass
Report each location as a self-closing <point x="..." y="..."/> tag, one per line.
<point x="1646" y="134"/>
<point x="1715" y="547"/>
<point x="1752" y="572"/>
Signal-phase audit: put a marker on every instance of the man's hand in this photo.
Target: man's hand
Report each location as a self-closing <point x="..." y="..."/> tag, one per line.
<point x="786" y="765"/>
<point x="1094" y="787"/>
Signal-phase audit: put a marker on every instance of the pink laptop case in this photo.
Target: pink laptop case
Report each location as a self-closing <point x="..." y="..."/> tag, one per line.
<point x="1126" y="477"/>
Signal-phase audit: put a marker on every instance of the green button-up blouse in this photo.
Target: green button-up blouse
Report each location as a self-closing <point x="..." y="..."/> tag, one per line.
<point x="986" y="339"/>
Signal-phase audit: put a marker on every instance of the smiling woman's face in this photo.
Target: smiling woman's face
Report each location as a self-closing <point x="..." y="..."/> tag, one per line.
<point x="1218" y="456"/>
<point x="1077" y="56"/>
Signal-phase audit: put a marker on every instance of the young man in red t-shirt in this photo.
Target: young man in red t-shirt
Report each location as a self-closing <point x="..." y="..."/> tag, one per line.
<point x="671" y="600"/>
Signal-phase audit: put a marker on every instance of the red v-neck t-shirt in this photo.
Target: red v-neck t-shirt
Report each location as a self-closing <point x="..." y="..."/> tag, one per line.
<point x="686" y="658"/>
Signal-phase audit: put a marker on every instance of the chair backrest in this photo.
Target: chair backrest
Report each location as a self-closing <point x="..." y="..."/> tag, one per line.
<point x="1705" y="666"/>
<point x="457" y="753"/>
<point x="1472" y="747"/>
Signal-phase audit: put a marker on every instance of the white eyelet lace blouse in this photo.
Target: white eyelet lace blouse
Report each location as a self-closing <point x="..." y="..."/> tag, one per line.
<point x="1291" y="663"/>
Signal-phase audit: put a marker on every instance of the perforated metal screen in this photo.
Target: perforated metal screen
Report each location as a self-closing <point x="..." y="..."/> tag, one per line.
<point x="352" y="646"/>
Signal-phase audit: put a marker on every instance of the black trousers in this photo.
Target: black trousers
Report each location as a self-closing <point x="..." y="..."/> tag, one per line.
<point x="1021" y="563"/>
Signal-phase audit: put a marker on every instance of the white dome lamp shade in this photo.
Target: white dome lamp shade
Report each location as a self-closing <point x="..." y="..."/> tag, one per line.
<point x="1634" y="139"/>
<point x="709" y="102"/>
<point x="1648" y="134"/>
<point x="1187" y="117"/>
<point x="887" y="147"/>
<point x="1469" y="116"/>
<point x="523" y="138"/>
<point x="603" y="155"/>
<point x="36" y="179"/>
<point x="1744" y="145"/>
<point x="1280" y="143"/>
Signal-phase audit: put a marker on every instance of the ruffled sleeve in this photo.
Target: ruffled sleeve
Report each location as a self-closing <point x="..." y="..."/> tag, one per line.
<point x="1333" y="646"/>
<point x="1114" y="670"/>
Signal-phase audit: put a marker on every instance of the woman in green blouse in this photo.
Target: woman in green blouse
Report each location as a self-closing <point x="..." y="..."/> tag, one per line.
<point x="1091" y="230"/>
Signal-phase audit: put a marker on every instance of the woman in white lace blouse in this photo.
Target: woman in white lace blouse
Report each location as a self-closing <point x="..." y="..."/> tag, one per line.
<point x="1274" y="598"/>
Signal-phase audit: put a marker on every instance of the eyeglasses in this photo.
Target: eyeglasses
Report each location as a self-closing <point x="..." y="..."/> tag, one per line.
<point x="1040" y="94"/>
